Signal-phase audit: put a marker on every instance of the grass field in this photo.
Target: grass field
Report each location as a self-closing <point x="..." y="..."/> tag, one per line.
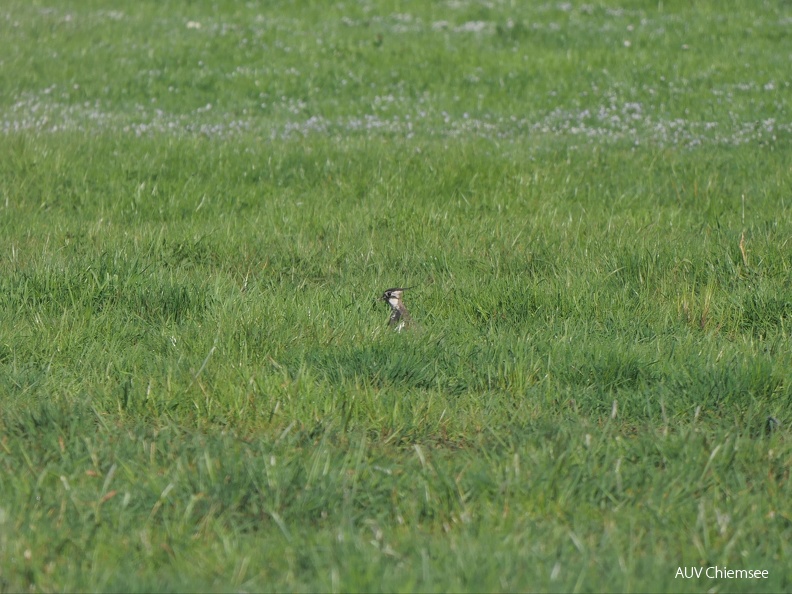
<point x="200" y="203"/>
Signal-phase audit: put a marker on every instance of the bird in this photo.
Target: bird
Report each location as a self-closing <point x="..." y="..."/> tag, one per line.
<point x="400" y="318"/>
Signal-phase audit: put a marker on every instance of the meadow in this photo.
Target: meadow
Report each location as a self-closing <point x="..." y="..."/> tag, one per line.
<point x="200" y="203"/>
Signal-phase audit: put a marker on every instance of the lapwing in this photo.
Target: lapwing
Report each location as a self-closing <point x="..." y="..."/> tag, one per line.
<point x="400" y="317"/>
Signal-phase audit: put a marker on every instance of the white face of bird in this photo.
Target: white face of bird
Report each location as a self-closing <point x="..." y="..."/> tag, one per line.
<point x="394" y="297"/>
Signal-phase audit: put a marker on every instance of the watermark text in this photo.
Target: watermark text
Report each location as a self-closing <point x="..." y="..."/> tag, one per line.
<point x="721" y="573"/>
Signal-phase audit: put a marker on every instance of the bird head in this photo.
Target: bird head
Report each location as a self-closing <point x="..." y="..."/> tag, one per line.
<point x="394" y="295"/>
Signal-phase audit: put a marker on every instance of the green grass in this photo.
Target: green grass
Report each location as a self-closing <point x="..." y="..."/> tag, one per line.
<point x="200" y="203"/>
